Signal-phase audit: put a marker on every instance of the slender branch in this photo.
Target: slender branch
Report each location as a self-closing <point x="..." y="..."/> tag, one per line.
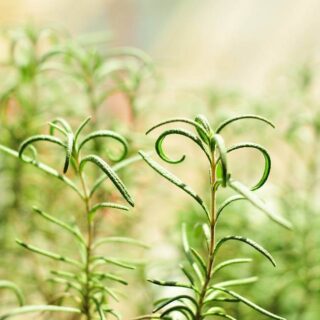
<point x="43" y="167"/>
<point x="90" y="228"/>
<point x="213" y="219"/>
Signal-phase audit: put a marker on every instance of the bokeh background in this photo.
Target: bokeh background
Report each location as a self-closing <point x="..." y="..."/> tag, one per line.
<point x="219" y="58"/>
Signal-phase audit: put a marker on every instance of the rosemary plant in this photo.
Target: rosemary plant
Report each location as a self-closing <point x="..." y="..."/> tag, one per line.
<point x="205" y="293"/>
<point x="23" y="92"/>
<point x="84" y="281"/>
<point x="103" y="73"/>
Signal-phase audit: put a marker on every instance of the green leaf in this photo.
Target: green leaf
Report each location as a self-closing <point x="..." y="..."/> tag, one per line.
<point x="171" y="284"/>
<point x="101" y="313"/>
<point x="115" y="261"/>
<point x="65" y="125"/>
<point x="250" y="242"/>
<point x="206" y="133"/>
<point x="49" y="254"/>
<point x="99" y="288"/>
<point x="105" y="205"/>
<point x="247" y="116"/>
<point x="250" y="304"/>
<point x="64" y="274"/>
<point x="187" y="274"/>
<point x="198" y="126"/>
<point x="173" y="179"/>
<point x="189" y="255"/>
<point x="60" y="223"/>
<point x="219" y="142"/>
<point x="258" y="203"/>
<point x="107" y="134"/>
<point x="80" y="128"/>
<point x="37" y="138"/>
<point x="267" y="161"/>
<point x="182" y="309"/>
<point x="199" y="259"/>
<point x="219" y="314"/>
<point x="43" y="167"/>
<point x="236" y="282"/>
<point x="69" y="149"/>
<point x="99" y="309"/>
<point x="176" y="298"/>
<point x="48" y="55"/>
<point x="53" y="126"/>
<point x="35" y="309"/>
<point x="110" y="173"/>
<point x="184" y="133"/>
<point x="117" y="167"/>
<point x="217" y="311"/>
<point x="206" y="232"/>
<point x="67" y="283"/>
<point x="11" y="286"/>
<point x="109" y="276"/>
<point x="226" y="203"/>
<point x="148" y="316"/>
<point x="112" y="312"/>
<point x="120" y="240"/>
<point x="229" y="263"/>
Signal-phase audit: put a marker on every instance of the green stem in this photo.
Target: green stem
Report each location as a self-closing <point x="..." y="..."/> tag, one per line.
<point x="212" y="239"/>
<point x="90" y="238"/>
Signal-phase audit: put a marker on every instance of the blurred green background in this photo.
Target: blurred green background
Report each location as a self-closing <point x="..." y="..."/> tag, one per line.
<point x="219" y="58"/>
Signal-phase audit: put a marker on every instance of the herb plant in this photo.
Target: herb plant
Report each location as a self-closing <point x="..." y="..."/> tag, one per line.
<point x="200" y="272"/>
<point x="85" y="280"/>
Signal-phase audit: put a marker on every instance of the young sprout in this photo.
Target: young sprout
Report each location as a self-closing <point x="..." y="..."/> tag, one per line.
<point x="204" y="292"/>
<point x="86" y="280"/>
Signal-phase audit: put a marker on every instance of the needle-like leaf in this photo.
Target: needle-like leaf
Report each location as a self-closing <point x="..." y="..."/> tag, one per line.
<point x="11" y="286"/>
<point x="36" y="309"/>
<point x="258" y="203"/>
<point x="173" y="179"/>
<point x="250" y="242"/>
<point x="250" y="304"/>
<point x="110" y="173"/>
<point x="243" y="117"/>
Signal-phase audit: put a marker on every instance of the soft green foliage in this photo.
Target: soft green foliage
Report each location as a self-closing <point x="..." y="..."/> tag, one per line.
<point x="83" y="283"/>
<point x="200" y="271"/>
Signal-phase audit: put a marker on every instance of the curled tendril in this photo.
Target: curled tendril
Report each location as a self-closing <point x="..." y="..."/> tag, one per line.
<point x="107" y="134"/>
<point x="198" y="126"/>
<point x="188" y="134"/>
<point x="247" y="116"/>
<point x="56" y="123"/>
<point x="68" y="147"/>
<point x="267" y="158"/>
<point x="41" y="137"/>
<point x="34" y="154"/>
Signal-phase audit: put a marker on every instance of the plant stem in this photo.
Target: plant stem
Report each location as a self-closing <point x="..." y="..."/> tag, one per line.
<point x="90" y="236"/>
<point x="212" y="238"/>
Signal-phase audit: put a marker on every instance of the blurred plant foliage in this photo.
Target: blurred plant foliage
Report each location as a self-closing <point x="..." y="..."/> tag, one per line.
<point x="46" y="73"/>
<point x="84" y="283"/>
